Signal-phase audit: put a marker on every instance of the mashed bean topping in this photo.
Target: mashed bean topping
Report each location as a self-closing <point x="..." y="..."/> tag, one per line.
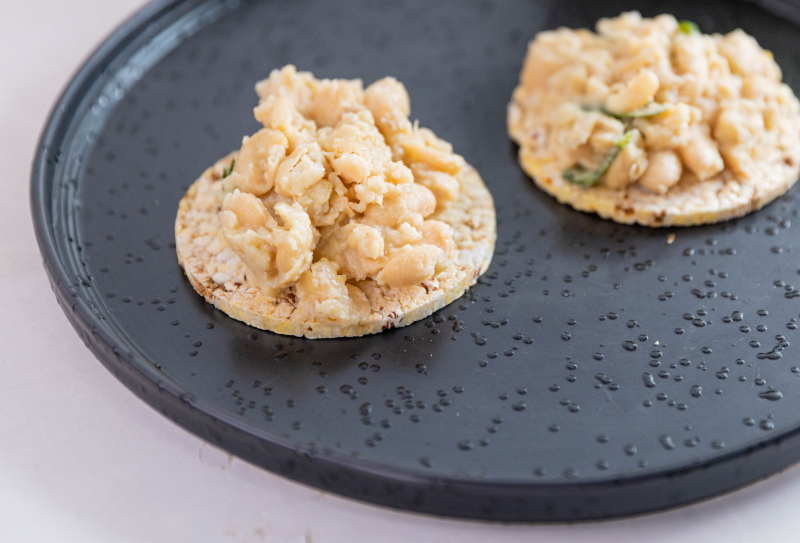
<point x="652" y="103"/>
<point x="332" y="198"/>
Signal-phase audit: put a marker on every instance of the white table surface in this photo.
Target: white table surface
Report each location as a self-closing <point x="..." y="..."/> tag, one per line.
<point x="83" y="460"/>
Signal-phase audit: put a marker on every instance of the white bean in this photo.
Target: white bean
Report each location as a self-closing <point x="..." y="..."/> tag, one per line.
<point x="663" y="171"/>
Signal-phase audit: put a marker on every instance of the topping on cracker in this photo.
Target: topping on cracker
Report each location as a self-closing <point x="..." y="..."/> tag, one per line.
<point x="340" y="217"/>
<point x="715" y="132"/>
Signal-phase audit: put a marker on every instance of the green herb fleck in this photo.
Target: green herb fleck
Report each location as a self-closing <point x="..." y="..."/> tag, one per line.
<point x="587" y="178"/>
<point x="229" y="170"/>
<point x="650" y="110"/>
<point x="688" y="27"/>
<point x="582" y="176"/>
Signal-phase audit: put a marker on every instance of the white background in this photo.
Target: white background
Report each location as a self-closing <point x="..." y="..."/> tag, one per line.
<point x="83" y="460"/>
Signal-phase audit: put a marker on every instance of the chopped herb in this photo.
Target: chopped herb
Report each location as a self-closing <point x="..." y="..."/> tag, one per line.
<point x="650" y="110"/>
<point x="229" y="170"/>
<point x="587" y="178"/>
<point x="688" y="27"/>
<point x="624" y="140"/>
<point x="595" y="108"/>
<point x="582" y="176"/>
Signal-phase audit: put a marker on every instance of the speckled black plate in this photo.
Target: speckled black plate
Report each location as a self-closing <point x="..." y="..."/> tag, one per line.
<point x="596" y="370"/>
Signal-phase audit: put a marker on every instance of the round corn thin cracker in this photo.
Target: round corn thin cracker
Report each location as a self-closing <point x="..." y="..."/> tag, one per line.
<point x="220" y="277"/>
<point x="690" y="202"/>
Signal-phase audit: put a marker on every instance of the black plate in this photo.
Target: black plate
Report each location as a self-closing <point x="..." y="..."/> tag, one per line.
<point x="595" y="371"/>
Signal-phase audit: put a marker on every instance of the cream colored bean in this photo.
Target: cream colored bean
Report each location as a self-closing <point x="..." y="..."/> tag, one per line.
<point x="258" y="159"/>
<point x="248" y="209"/>
<point x="276" y="255"/>
<point x="636" y="93"/>
<point x="388" y="101"/>
<point x="300" y="171"/>
<point x="629" y="164"/>
<point x="664" y="169"/>
<point x="440" y="235"/>
<point x="410" y="265"/>
<point x="701" y="155"/>
<point x="409" y="203"/>
<point x="444" y="186"/>
<point x="334" y="98"/>
<point x="356" y="248"/>
<point x="323" y="296"/>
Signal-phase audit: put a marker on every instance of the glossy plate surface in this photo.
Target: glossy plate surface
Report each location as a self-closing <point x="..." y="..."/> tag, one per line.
<point x="595" y="371"/>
